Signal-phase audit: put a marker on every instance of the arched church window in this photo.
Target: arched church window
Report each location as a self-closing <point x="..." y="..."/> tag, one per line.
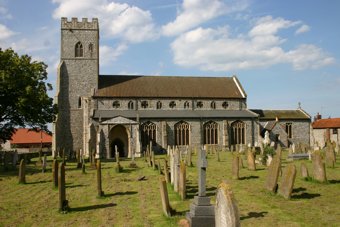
<point x="182" y="133"/>
<point x="79" y="52"/>
<point x="172" y="104"/>
<point x="159" y="105"/>
<point x="225" y="104"/>
<point x="186" y="105"/>
<point x="238" y="130"/>
<point x="130" y="105"/>
<point x="116" y="104"/>
<point x="213" y="105"/>
<point x="210" y="133"/>
<point x="91" y="49"/>
<point x="144" y="104"/>
<point x="199" y="104"/>
<point x="148" y="133"/>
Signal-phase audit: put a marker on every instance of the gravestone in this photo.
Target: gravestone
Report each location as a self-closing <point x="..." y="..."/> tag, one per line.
<point x="99" y="179"/>
<point x="164" y="197"/>
<point x="182" y="181"/>
<point x="166" y="171"/>
<point x="251" y="160"/>
<point x="153" y="160"/>
<point x="235" y="167"/>
<point x="189" y="159"/>
<point x="79" y="164"/>
<point x="44" y="164"/>
<point x="226" y="209"/>
<point x="63" y="203"/>
<point x="318" y="167"/>
<point x="176" y="170"/>
<point x="330" y="156"/>
<point x="273" y="173"/>
<point x="287" y="182"/>
<point x="55" y="173"/>
<point x="201" y="213"/>
<point x="22" y="174"/>
<point x="217" y="155"/>
<point x="159" y="167"/>
<point x="337" y="148"/>
<point x="240" y="159"/>
<point x="172" y="169"/>
<point x="304" y="170"/>
<point x="293" y="148"/>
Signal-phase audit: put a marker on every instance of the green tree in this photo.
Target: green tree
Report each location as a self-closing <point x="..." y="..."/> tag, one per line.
<point x="23" y="94"/>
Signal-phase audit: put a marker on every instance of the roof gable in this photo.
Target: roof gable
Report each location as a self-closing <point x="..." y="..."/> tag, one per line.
<point x="169" y="86"/>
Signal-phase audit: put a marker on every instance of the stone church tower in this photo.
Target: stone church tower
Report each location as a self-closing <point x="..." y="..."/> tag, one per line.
<point x="77" y="81"/>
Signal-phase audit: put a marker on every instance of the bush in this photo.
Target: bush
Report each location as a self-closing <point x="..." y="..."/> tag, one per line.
<point x="267" y="151"/>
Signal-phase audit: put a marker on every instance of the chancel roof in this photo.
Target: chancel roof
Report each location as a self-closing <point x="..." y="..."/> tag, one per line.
<point x="281" y="114"/>
<point x="169" y="87"/>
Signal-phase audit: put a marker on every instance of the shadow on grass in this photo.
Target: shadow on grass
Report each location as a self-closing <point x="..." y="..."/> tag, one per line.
<point x="334" y="181"/>
<point x="39" y="182"/>
<point x="248" y="178"/>
<point x="77" y="185"/>
<point x="128" y="170"/>
<point x="254" y="215"/>
<point x="193" y="190"/>
<point x="121" y="193"/>
<point x="300" y="189"/>
<point x="93" y="207"/>
<point x="306" y="195"/>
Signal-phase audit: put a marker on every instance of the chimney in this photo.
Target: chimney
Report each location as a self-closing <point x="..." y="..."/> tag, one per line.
<point x="317" y="117"/>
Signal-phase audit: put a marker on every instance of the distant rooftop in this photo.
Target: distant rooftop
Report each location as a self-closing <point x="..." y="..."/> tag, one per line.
<point x="25" y="136"/>
<point x="169" y="87"/>
<point x="326" y="123"/>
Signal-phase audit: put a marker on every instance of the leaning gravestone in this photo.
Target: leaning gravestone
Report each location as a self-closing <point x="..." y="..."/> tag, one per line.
<point x="287" y="182"/>
<point x="251" y="160"/>
<point x="304" y="171"/>
<point x="166" y="171"/>
<point x="235" y="167"/>
<point x="22" y="175"/>
<point x="226" y="210"/>
<point x="164" y="197"/>
<point x="63" y="203"/>
<point x="318" y="167"/>
<point x="201" y="213"/>
<point x="182" y="181"/>
<point x="55" y="173"/>
<point x="273" y="173"/>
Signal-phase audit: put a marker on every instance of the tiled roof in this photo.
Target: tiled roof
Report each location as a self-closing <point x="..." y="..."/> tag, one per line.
<point x="169" y="86"/>
<point x="24" y="136"/>
<point x="327" y="123"/>
<point x="281" y="114"/>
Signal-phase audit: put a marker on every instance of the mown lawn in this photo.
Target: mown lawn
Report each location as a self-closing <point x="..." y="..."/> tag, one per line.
<point x="129" y="202"/>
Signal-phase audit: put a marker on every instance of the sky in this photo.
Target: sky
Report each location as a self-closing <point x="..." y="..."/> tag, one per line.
<point x="283" y="52"/>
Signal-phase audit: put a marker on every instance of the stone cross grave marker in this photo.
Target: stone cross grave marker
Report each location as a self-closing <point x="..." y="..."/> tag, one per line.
<point x="164" y="197"/>
<point x="99" y="179"/>
<point x="235" y="167"/>
<point x="226" y="209"/>
<point x="63" y="203"/>
<point x="287" y="182"/>
<point x="202" y="172"/>
<point x="55" y="173"/>
<point x="182" y="181"/>
<point x="273" y="173"/>
<point x="304" y="170"/>
<point x="22" y="174"/>
<point x="251" y="160"/>
<point x="318" y="167"/>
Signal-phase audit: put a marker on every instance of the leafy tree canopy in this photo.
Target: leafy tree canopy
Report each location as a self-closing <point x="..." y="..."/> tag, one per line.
<point x="23" y="94"/>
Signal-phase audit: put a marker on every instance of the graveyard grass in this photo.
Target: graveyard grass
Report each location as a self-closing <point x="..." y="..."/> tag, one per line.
<point x="129" y="202"/>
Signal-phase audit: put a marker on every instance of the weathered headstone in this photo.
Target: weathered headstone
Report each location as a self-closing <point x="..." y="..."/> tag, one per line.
<point x="99" y="179"/>
<point x="293" y="148"/>
<point x="336" y="149"/>
<point x="226" y="209"/>
<point x="217" y="155"/>
<point x="189" y="159"/>
<point x="273" y="173"/>
<point x="159" y="167"/>
<point x="22" y="174"/>
<point x="44" y="164"/>
<point x="166" y="171"/>
<point x="164" y="197"/>
<point x="182" y="181"/>
<point x="318" y="167"/>
<point x="304" y="170"/>
<point x="330" y="156"/>
<point x="172" y="169"/>
<point x="153" y="160"/>
<point x="251" y="160"/>
<point x="79" y="164"/>
<point x="55" y="173"/>
<point x="176" y="170"/>
<point x="201" y="213"/>
<point x="63" y="203"/>
<point x="287" y="182"/>
<point x="235" y="167"/>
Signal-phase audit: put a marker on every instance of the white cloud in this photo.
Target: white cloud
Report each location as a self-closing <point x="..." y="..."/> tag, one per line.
<point x="214" y="49"/>
<point x="109" y="54"/>
<point x="118" y="20"/>
<point x="4" y="13"/>
<point x="196" y="12"/>
<point x="5" y="32"/>
<point x="304" y="28"/>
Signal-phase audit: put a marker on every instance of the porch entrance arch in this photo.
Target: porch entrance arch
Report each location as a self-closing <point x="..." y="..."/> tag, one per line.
<point x="119" y="137"/>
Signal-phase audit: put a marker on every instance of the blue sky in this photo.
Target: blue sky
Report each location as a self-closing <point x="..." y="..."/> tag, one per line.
<point x="283" y="52"/>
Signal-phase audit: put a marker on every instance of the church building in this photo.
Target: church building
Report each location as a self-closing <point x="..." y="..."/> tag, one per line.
<point x="100" y="112"/>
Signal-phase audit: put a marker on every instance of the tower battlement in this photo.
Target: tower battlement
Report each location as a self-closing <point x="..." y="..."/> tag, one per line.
<point x="75" y="24"/>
